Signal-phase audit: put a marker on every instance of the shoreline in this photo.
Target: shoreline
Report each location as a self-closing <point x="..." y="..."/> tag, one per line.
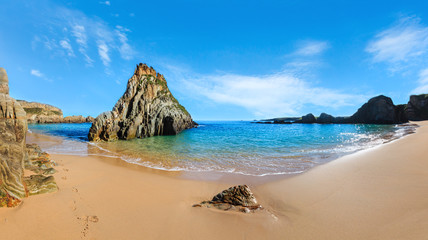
<point x="378" y="193"/>
<point x="94" y="150"/>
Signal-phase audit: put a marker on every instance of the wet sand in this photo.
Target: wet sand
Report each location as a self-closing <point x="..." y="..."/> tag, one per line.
<point x="379" y="193"/>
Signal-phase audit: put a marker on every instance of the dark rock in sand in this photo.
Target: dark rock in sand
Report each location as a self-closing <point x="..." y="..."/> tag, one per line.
<point x="238" y="198"/>
<point x="417" y="108"/>
<point x="147" y="108"/>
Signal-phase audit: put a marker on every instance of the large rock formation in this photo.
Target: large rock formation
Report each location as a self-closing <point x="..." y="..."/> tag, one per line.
<point x="14" y="153"/>
<point x="378" y="110"/>
<point x="13" y="127"/>
<point x="147" y="108"/>
<point x="417" y="107"/>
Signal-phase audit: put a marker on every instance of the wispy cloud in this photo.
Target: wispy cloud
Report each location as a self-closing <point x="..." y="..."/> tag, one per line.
<point x="401" y="43"/>
<point x="79" y="33"/>
<point x="103" y="52"/>
<point x="105" y="3"/>
<point x="126" y="51"/>
<point x="72" y="29"/>
<point x="36" y="73"/>
<point x="422" y="82"/>
<point x="66" y="45"/>
<point x="311" y="48"/>
<point x="284" y="93"/>
<point x="403" y="47"/>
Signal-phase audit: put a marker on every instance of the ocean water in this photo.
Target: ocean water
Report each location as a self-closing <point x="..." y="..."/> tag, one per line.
<point x="234" y="147"/>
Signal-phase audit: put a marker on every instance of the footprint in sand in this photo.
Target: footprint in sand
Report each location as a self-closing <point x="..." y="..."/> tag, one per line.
<point x="65" y="169"/>
<point x="74" y="189"/>
<point x="86" y="220"/>
<point x="64" y="178"/>
<point x="73" y="206"/>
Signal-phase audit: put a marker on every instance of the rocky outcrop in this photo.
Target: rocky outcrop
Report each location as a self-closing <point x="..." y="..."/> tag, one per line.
<point x="417" y="108"/>
<point x="147" y="108"/>
<point x="13" y="153"/>
<point x="308" y="118"/>
<point x="378" y="110"/>
<point x="325" y="118"/>
<point x="13" y="127"/>
<point x="4" y="82"/>
<point x="238" y="198"/>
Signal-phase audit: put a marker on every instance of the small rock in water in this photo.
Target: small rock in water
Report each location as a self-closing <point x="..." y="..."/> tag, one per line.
<point x="228" y="199"/>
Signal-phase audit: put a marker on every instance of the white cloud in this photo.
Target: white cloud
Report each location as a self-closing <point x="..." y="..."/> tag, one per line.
<point x="125" y="50"/>
<point x="403" y="42"/>
<point x="277" y="94"/>
<point x="103" y="52"/>
<point x="79" y="33"/>
<point x="422" y="82"/>
<point x="66" y="45"/>
<point x="36" y="73"/>
<point x="67" y="30"/>
<point x="105" y="3"/>
<point x="311" y="48"/>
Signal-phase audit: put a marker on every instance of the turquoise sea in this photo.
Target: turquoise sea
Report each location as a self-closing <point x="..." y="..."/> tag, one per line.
<point x="231" y="146"/>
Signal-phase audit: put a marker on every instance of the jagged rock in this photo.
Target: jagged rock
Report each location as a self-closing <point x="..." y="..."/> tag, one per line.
<point x="238" y="198"/>
<point x="417" y="108"/>
<point x="325" y="118"/>
<point x="13" y="127"/>
<point x="378" y="110"/>
<point x="147" y="108"/>
<point x="4" y="82"/>
<point x="38" y="184"/>
<point x="41" y="113"/>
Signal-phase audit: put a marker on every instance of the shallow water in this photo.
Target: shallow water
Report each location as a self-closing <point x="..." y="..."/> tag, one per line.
<point x="232" y="147"/>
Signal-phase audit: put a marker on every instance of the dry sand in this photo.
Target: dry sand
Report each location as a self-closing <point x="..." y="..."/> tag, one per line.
<point x="380" y="193"/>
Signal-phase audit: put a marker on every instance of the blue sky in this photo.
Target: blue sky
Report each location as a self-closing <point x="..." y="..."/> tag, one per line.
<point x="223" y="60"/>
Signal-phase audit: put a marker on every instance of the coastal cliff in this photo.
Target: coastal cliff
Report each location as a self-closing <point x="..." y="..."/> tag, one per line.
<point x="147" y="108"/>
<point x="45" y="113"/>
<point x="41" y="113"/>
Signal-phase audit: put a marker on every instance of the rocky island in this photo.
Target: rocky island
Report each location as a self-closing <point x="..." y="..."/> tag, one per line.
<point x="147" y="108"/>
<point x="378" y="110"/>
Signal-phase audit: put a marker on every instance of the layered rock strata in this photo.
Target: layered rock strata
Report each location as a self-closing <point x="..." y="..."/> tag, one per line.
<point x="147" y="108"/>
<point x="13" y="152"/>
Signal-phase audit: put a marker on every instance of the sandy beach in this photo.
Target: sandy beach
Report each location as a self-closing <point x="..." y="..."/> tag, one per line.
<point x="378" y="193"/>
